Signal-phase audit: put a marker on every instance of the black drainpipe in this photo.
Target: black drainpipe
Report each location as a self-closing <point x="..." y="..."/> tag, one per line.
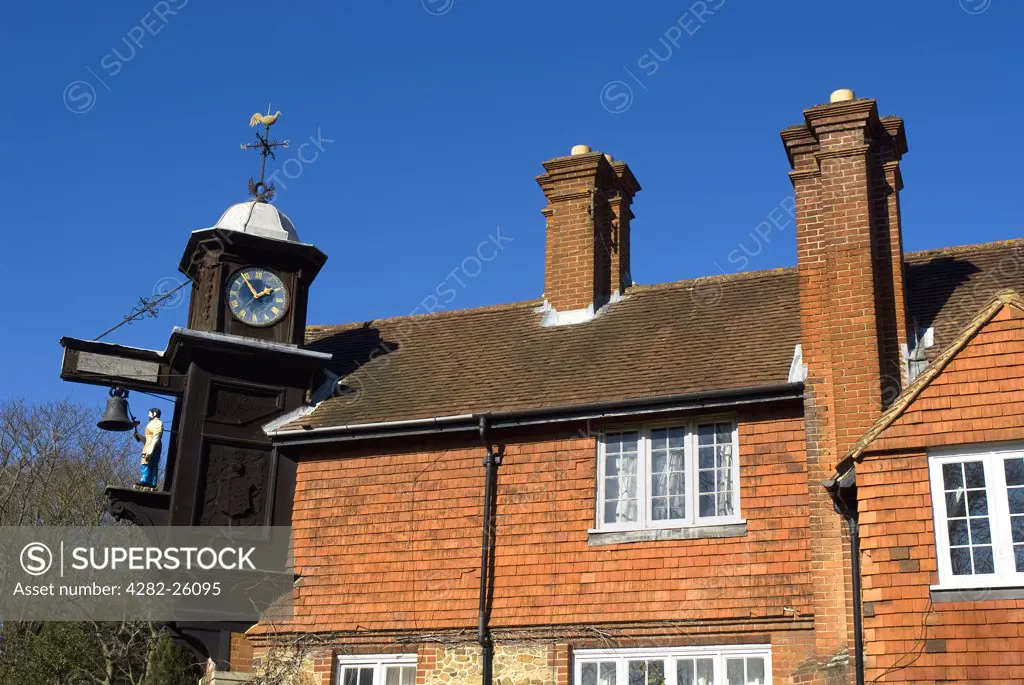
<point x="858" y="630"/>
<point x="843" y="490"/>
<point x="491" y="462"/>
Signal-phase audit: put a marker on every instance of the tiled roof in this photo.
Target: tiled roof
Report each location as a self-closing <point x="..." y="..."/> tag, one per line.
<point x="717" y="333"/>
<point x="947" y="287"/>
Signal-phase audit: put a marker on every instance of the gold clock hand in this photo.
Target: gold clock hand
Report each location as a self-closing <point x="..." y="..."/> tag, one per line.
<point x="251" y="289"/>
<point x="265" y="291"/>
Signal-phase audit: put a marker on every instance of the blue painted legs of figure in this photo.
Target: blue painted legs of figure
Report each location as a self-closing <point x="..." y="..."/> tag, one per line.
<point x="148" y="473"/>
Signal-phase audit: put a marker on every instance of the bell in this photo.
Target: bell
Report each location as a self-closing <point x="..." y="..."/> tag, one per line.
<point x="116" y="417"/>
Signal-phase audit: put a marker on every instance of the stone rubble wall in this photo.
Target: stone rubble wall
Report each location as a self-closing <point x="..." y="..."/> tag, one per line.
<point x="514" y="664"/>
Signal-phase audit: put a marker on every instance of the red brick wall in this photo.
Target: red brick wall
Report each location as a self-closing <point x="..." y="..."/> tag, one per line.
<point x="389" y="541"/>
<point x="560" y="661"/>
<point x="619" y="204"/>
<point x="893" y="325"/>
<point x="240" y="656"/>
<point x="908" y="638"/>
<point x="850" y="275"/>
<point x="392" y="541"/>
<point x="323" y="667"/>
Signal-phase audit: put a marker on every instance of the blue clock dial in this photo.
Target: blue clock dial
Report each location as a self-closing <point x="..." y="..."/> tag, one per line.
<point x="257" y="296"/>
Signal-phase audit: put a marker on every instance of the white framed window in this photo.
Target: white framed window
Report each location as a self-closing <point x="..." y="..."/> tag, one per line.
<point x="978" y="506"/>
<point x="670" y="475"/>
<point x="375" y="669"/>
<point x="727" y="665"/>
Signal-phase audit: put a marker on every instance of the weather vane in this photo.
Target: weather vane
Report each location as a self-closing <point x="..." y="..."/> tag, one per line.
<point x="260" y="189"/>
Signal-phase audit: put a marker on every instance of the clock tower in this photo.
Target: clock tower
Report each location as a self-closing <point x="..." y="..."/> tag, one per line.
<point x="243" y="366"/>
<point x="238" y="365"/>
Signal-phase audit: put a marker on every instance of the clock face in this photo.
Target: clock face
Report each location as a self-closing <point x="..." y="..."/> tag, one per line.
<point x="257" y="296"/>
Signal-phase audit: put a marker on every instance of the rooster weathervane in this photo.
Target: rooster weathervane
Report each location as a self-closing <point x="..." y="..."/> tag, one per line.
<point x="261" y="190"/>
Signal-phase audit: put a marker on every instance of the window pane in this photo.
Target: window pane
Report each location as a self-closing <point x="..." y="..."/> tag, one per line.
<point x="706" y="434"/>
<point x="958" y="534"/>
<point x="659" y="484"/>
<point x="715" y="470"/>
<point x="734" y="672"/>
<point x="707" y="457"/>
<point x="611" y="512"/>
<point x="1016" y="497"/>
<point x="668" y="480"/>
<point x="620" y="483"/>
<point x="1014" y="469"/>
<point x="956" y="503"/>
<point x="977" y="502"/>
<point x="974" y="472"/>
<point x="725" y="507"/>
<point x="960" y="560"/>
<point x="983" y="560"/>
<point x="724" y="456"/>
<point x="707" y="505"/>
<point x="979" y="532"/>
<point x="637" y="673"/>
<point x="366" y="676"/>
<point x="611" y="465"/>
<point x="705" y="671"/>
<point x="607" y="673"/>
<point x="392" y="675"/>
<point x="350" y="676"/>
<point x="677" y="507"/>
<point x="659" y="460"/>
<point x="684" y="672"/>
<point x="611" y="488"/>
<point x="952" y="476"/>
<point x="627" y="442"/>
<point x="589" y="673"/>
<point x="755" y="671"/>
<point x="1017" y="528"/>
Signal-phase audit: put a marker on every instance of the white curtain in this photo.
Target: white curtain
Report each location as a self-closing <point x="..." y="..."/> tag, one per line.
<point x="625" y="510"/>
<point x="726" y="505"/>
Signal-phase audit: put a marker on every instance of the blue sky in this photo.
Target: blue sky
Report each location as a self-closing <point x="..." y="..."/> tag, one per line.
<point x="122" y="121"/>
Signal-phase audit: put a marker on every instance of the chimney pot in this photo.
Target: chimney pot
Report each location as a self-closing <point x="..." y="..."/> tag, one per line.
<point x="841" y="95"/>
<point x="579" y="150"/>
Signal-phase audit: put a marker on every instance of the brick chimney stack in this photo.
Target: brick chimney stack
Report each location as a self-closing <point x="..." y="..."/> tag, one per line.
<point x="588" y="229"/>
<point x="853" y="318"/>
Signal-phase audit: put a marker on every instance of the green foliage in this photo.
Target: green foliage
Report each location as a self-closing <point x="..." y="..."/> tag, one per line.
<point x="108" y="653"/>
<point x="54" y="467"/>
<point x="43" y="654"/>
<point x="168" y="663"/>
